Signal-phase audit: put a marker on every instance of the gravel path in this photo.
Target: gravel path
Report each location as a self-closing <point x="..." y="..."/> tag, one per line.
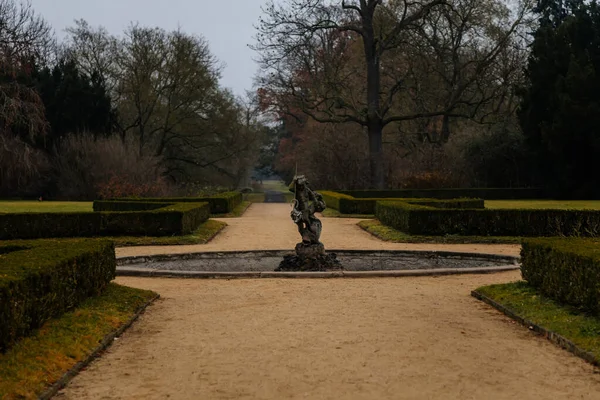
<point x="268" y="227"/>
<point x="407" y="338"/>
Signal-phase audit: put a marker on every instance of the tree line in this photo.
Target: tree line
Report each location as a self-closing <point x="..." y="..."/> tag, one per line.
<point x="433" y="93"/>
<point x="101" y="115"/>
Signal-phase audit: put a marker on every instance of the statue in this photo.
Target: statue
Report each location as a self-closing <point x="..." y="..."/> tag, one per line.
<point x="305" y="204"/>
<point x="310" y="253"/>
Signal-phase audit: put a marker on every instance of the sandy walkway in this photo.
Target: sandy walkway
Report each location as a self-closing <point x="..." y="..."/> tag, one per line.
<point x="268" y="227"/>
<point x="409" y="338"/>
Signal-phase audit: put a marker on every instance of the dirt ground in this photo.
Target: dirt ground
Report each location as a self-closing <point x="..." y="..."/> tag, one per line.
<point x="267" y="226"/>
<point x="406" y="338"/>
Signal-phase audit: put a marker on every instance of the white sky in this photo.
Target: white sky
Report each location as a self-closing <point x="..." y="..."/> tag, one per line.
<point x="226" y="24"/>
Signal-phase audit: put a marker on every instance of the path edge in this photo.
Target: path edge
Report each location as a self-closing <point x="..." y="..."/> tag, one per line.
<point x="104" y="344"/>
<point x="154" y="273"/>
<point x="552" y="336"/>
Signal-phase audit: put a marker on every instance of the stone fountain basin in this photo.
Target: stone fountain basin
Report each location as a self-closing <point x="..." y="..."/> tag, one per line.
<point x="263" y="263"/>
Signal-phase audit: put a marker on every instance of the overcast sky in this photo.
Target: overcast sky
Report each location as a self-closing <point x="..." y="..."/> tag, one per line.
<point x="226" y="24"/>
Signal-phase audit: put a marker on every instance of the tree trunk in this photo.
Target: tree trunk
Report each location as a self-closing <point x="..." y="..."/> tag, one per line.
<point x="376" y="156"/>
<point x="374" y="117"/>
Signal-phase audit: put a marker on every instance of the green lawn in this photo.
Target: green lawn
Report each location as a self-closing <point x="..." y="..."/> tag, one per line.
<point x="544" y="204"/>
<point x="526" y="302"/>
<point x="44" y="206"/>
<point x="37" y="361"/>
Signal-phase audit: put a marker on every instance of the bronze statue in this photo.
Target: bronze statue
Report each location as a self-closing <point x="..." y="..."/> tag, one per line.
<point x="305" y="204"/>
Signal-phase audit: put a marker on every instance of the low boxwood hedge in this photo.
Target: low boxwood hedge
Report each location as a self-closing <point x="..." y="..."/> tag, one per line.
<point x="119" y="205"/>
<point x="565" y="269"/>
<point x="221" y="203"/>
<point x="169" y="219"/>
<point x="42" y="279"/>
<point x="451" y="193"/>
<point x="421" y="220"/>
<point x="347" y="204"/>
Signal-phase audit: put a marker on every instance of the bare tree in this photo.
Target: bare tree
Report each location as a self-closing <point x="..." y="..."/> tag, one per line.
<point x="354" y="61"/>
<point x="95" y="52"/>
<point x="165" y="87"/>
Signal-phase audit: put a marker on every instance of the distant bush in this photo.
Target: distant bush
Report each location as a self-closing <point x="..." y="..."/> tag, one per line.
<point x="89" y="168"/>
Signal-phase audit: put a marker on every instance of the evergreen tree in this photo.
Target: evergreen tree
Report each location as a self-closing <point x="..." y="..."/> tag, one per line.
<point x="74" y="102"/>
<point x="560" y="109"/>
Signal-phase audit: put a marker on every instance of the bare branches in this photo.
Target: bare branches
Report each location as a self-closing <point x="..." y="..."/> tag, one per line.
<point x="412" y="13"/>
<point x="24" y="35"/>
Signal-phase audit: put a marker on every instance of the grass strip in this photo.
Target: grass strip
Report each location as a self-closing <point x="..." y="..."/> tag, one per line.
<point x="389" y="234"/>
<point x="566" y="326"/>
<point x="36" y="362"/>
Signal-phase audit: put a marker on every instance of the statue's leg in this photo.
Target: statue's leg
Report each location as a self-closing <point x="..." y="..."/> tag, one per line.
<point x="304" y="232"/>
<point x="317" y="228"/>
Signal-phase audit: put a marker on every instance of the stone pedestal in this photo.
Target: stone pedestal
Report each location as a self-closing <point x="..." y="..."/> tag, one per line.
<point x="310" y="258"/>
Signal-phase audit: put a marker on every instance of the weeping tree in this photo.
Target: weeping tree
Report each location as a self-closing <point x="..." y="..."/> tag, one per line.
<point x="377" y="63"/>
<point x="25" y="39"/>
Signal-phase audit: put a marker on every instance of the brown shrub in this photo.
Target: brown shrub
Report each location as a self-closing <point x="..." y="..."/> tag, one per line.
<point x="107" y="167"/>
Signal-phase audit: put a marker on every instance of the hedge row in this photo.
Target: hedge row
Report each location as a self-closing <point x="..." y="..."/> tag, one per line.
<point x="567" y="270"/>
<point x="221" y="203"/>
<point x="478" y="193"/>
<point x="42" y="279"/>
<point x="170" y="219"/>
<point x="421" y="220"/>
<point x="347" y="204"/>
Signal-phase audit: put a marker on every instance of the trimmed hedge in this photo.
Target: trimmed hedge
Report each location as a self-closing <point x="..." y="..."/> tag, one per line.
<point x="170" y="219"/>
<point x="478" y="193"/>
<point x="224" y="203"/>
<point x="110" y="205"/>
<point x="221" y="203"/>
<point x="42" y="279"/>
<point x="567" y="270"/>
<point x="347" y="204"/>
<point x="421" y="220"/>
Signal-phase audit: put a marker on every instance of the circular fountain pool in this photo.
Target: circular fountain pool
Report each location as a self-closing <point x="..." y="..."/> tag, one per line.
<point x="355" y="263"/>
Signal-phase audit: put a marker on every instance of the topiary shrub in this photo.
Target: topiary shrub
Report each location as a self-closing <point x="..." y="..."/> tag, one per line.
<point x="42" y="279"/>
<point x="111" y="219"/>
<point x="221" y="203"/>
<point x="565" y="269"/>
<point x="347" y="204"/>
<point x="421" y="220"/>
